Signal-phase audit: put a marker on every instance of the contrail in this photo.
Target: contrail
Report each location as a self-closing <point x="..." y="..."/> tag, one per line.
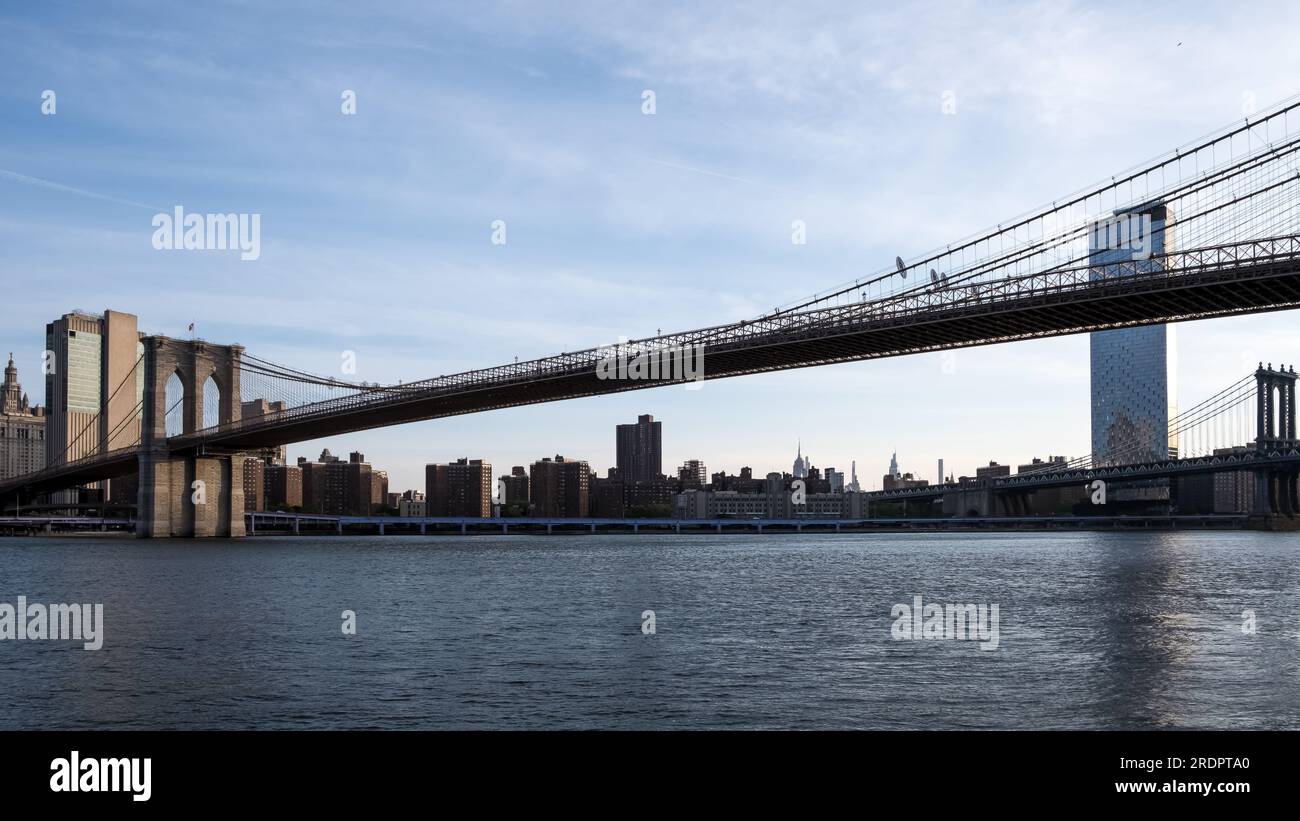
<point x="13" y="175"/>
<point x="708" y="173"/>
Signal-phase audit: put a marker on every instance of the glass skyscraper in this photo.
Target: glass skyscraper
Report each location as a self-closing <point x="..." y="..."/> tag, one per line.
<point x="1134" y="370"/>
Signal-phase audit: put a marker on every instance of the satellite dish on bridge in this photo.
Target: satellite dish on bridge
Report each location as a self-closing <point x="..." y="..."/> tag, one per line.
<point x="902" y="269"/>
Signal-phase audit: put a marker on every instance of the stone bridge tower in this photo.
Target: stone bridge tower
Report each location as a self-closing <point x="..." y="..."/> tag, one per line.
<point x="1277" y="497"/>
<point x="191" y="492"/>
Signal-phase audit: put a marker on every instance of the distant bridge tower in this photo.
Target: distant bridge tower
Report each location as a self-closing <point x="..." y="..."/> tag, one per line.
<point x="1275" y="488"/>
<point x="193" y="492"/>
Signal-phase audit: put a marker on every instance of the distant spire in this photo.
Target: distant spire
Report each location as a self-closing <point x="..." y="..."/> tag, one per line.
<point x="800" y="464"/>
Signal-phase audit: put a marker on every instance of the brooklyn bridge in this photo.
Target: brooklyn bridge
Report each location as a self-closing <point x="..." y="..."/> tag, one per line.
<point x="1208" y="230"/>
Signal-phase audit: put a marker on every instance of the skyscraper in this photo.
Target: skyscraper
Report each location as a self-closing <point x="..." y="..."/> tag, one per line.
<point x="801" y="463"/>
<point x="639" y="450"/>
<point x="893" y="465"/>
<point x="91" y="370"/>
<point x="1134" y="370"/>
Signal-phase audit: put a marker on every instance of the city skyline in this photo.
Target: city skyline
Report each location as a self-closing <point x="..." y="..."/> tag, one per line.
<point x="399" y="200"/>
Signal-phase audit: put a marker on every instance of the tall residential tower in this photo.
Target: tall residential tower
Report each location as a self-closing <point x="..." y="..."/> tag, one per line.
<point x="639" y="450"/>
<point x="1134" y="370"/>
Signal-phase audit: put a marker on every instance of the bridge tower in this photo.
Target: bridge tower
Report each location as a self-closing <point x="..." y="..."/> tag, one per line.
<point x="192" y="492"/>
<point x="1277" y="497"/>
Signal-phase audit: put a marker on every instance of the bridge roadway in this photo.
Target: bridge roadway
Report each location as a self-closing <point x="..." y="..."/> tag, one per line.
<point x="467" y="525"/>
<point x="1239" y="278"/>
<point x="294" y="522"/>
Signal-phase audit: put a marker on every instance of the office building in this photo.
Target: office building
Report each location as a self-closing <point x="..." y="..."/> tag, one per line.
<point x="834" y="480"/>
<point x="91" y="367"/>
<point x="801" y="463"/>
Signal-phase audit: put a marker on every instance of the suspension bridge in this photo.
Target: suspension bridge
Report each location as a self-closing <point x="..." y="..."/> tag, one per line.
<point x="1208" y="230"/>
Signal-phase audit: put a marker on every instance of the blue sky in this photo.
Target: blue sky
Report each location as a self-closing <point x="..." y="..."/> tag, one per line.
<point x="376" y="227"/>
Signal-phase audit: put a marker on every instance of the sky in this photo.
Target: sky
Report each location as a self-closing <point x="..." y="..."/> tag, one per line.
<point x="376" y="227"/>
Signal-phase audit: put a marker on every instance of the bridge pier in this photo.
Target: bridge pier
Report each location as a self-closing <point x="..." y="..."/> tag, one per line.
<point x="190" y="496"/>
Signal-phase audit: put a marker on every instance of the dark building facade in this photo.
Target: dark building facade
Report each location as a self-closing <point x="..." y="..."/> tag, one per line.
<point x="254" y="484"/>
<point x="560" y="488"/>
<point x="460" y="488"/>
<point x="337" y="488"/>
<point x="282" y="486"/>
<point x="516" y="486"/>
<point x="639" y="450"/>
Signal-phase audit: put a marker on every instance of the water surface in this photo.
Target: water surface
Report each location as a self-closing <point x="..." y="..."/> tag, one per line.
<point x="1097" y="630"/>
